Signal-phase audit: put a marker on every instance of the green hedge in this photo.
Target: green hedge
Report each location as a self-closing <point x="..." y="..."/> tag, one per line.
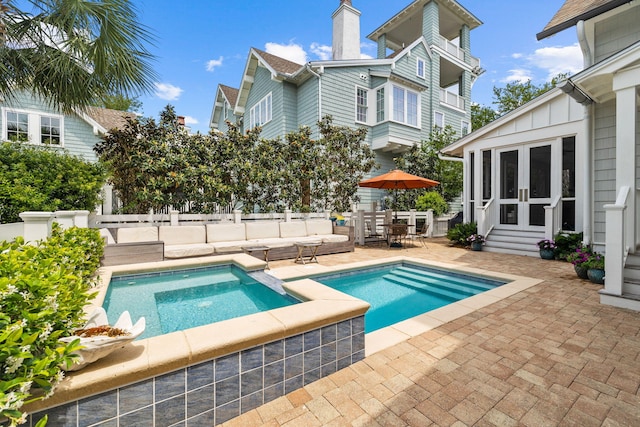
<point x="43" y="290"/>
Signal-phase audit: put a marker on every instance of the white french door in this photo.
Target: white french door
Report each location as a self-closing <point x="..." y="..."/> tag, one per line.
<point x="524" y="186"/>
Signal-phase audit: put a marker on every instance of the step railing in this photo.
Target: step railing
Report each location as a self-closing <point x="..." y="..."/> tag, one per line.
<point x="486" y="217"/>
<point x="617" y="242"/>
<point x="553" y="218"/>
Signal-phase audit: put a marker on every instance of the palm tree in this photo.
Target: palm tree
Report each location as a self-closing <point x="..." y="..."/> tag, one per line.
<point x="73" y="52"/>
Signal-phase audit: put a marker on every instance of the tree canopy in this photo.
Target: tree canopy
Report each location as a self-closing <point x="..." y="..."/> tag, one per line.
<point x="73" y="52"/>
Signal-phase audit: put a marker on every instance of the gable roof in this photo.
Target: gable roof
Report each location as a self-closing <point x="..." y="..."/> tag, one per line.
<point x="278" y="64"/>
<point x="231" y="93"/>
<point x="105" y="119"/>
<point x="224" y="94"/>
<point x="573" y="11"/>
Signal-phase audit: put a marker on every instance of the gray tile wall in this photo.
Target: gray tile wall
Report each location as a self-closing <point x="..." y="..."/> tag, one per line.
<point x="215" y="391"/>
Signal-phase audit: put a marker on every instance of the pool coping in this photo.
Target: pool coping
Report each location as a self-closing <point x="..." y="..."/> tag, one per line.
<point x="394" y="334"/>
<point x="146" y="358"/>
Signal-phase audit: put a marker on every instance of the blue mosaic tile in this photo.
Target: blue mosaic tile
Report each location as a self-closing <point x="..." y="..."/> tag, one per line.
<point x="227" y="366"/>
<point x="251" y="359"/>
<point x="273" y="392"/>
<point x="251" y="401"/>
<point x="63" y="416"/>
<point x="328" y="334"/>
<point x="293" y="384"/>
<point x="273" y="351"/>
<point x="344" y="362"/>
<point x="328" y="353"/>
<point x="200" y="400"/>
<point x="343" y="348"/>
<point x="312" y="359"/>
<point x="328" y="369"/>
<point x="227" y="390"/>
<point x="358" y="356"/>
<point x="311" y="339"/>
<point x="311" y="376"/>
<point x="293" y="345"/>
<point x="273" y="373"/>
<point x="344" y="329"/>
<point x="206" y="419"/>
<point x="357" y="325"/>
<point x="98" y="408"/>
<point x="199" y="375"/>
<point x="228" y="411"/>
<point x="141" y="418"/>
<point x="357" y="342"/>
<point x="135" y="396"/>
<point x="293" y="366"/>
<point x="251" y="381"/>
<point x="170" y="411"/>
<point x="170" y="385"/>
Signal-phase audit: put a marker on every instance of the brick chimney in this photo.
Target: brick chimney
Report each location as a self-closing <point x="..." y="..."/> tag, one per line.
<point x="346" y="32"/>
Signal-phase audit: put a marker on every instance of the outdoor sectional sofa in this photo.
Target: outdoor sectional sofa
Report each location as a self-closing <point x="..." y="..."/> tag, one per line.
<point x="210" y="239"/>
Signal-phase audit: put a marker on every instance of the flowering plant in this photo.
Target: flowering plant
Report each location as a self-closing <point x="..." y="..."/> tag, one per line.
<point x="546" y="244"/>
<point x="595" y="261"/>
<point x="580" y="255"/>
<point x="476" y="238"/>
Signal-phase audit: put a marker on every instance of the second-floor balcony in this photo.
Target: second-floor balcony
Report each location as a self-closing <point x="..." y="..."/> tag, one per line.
<point x="451" y="99"/>
<point x="457" y="52"/>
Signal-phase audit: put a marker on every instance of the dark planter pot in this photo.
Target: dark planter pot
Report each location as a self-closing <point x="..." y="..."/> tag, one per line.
<point x="596" y="275"/>
<point x="547" y="254"/>
<point x="476" y="246"/>
<point x="581" y="272"/>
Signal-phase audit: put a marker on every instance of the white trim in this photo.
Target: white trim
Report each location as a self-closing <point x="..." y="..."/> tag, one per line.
<point x="435" y="121"/>
<point x="420" y="61"/>
<point x="366" y="104"/>
<point x="257" y="108"/>
<point x="34" y="125"/>
<point x="392" y="100"/>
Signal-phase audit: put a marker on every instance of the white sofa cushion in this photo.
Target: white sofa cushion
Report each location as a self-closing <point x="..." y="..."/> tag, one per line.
<point x="262" y="229"/>
<point x="225" y="232"/>
<point x="182" y="251"/>
<point x="182" y="235"/>
<point x="137" y="234"/>
<point x="293" y="229"/>
<point x="332" y="238"/>
<point x="321" y="226"/>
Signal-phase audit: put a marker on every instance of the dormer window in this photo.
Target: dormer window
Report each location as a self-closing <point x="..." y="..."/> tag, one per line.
<point x="420" y="68"/>
<point x="260" y="114"/>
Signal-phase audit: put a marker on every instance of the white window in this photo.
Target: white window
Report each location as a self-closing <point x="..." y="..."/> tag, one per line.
<point x="260" y="114"/>
<point x="380" y="105"/>
<point x="405" y="106"/>
<point x="465" y="128"/>
<point x="420" y="66"/>
<point x="33" y="127"/>
<point x="438" y="119"/>
<point x="361" y="105"/>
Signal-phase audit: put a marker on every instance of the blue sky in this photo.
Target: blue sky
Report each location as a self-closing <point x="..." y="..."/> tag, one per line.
<point x="202" y="43"/>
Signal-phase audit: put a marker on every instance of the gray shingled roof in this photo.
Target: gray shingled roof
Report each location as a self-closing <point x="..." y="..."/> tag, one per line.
<point x="231" y="93"/>
<point x="280" y="65"/>
<point x="109" y="119"/>
<point x="573" y="11"/>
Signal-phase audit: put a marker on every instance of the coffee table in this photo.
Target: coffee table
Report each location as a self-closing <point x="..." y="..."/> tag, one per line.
<point x="313" y="249"/>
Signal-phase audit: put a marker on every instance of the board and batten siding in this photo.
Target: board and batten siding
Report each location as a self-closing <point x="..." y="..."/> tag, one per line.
<point x="617" y="32"/>
<point x="77" y="135"/>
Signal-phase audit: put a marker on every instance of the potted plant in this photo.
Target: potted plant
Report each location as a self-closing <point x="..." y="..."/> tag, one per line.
<point x="595" y="268"/>
<point x="578" y="258"/>
<point x="547" y="248"/>
<point x="476" y="241"/>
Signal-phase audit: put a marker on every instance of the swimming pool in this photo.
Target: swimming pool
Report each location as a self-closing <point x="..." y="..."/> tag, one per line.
<point x="400" y="291"/>
<point x="176" y="300"/>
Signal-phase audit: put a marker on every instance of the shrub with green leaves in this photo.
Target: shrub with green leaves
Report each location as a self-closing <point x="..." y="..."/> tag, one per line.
<point x="434" y="201"/>
<point x="566" y="243"/>
<point x="43" y="290"/>
<point x="461" y="232"/>
<point x="36" y="178"/>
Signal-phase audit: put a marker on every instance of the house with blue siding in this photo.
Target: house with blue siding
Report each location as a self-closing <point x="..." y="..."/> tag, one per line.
<point x="421" y="79"/>
<point x="27" y="118"/>
<point x="569" y="160"/>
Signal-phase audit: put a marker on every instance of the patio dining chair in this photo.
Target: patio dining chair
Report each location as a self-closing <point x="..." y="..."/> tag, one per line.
<point x="372" y="234"/>
<point x="397" y="234"/>
<point x="421" y="235"/>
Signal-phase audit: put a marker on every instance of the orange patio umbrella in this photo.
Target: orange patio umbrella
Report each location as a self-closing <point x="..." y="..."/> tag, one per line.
<point x="397" y="179"/>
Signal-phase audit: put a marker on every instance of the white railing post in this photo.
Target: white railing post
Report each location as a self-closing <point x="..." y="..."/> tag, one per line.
<point x="327" y="214"/>
<point x="65" y="218"/>
<point x="614" y="257"/>
<point x="549" y="219"/>
<point x="429" y="219"/>
<point x="81" y="219"/>
<point x="287" y="215"/>
<point x="174" y="218"/>
<point x="412" y="218"/>
<point x="37" y="225"/>
<point x="237" y="216"/>
<point x="360" y="225"/>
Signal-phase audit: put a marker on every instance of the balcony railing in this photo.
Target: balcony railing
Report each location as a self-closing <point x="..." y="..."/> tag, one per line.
<point x="451" y="99"/>
<point x="457" y="52"/>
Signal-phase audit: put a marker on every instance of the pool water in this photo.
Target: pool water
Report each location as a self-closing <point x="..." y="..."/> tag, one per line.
<point x="181" y="299"/>
<point x="400" y="291"/>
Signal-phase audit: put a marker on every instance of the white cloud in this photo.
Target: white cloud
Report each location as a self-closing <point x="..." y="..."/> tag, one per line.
<point x="167" y="91"/>
<point x="516" y="55"/>
<point x="212" y="64"/>
<point x="322" y="51"/>
<point x="517" y="75"/>
<point x="558" y="59"/>
<point x="293" y="52"/>
<point x="188" y="120"/>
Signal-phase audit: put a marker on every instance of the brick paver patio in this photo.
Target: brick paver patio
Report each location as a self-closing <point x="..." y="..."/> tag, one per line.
<point x="549" y="355"/>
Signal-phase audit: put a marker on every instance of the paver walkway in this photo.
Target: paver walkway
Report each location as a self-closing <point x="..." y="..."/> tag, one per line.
<point x="550" y="355"/>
